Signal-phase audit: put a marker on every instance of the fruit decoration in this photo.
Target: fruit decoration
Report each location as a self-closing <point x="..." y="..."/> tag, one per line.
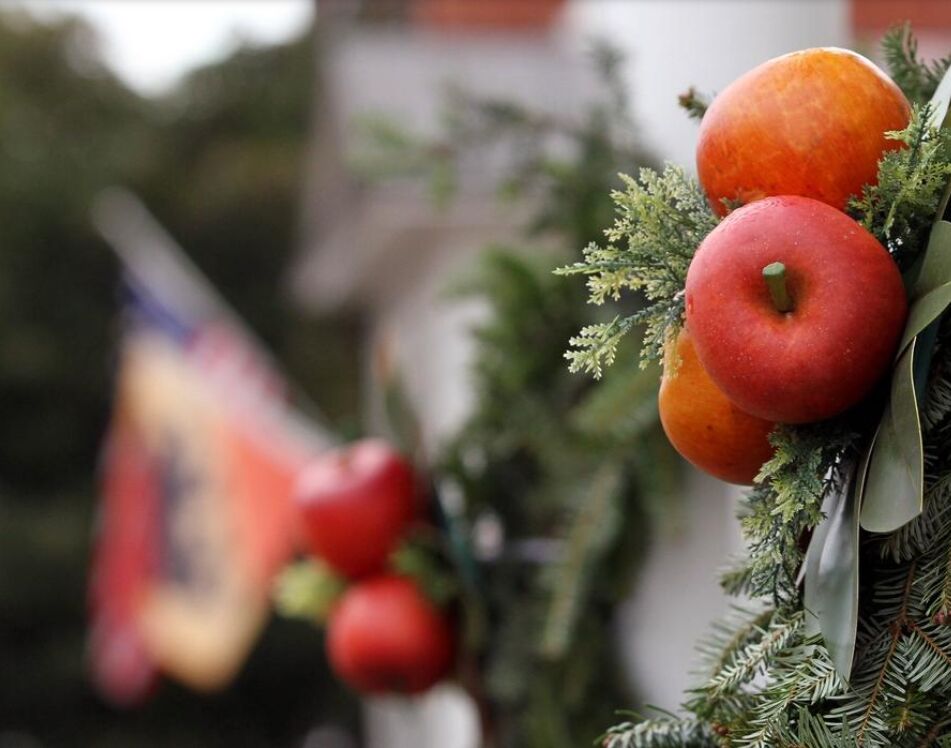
<point x="385" y="636"/>
<point x="818" y="302"/>
<point x="356" y="503"/>
<point x="810" y="123"/>
<point x="703" y="424"/>
<point x="794" y="308"/>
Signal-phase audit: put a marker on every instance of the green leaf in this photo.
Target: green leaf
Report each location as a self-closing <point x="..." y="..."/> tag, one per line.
<point x="307" y="589"/>
<point x="894" y="487"/>
<point x="941" y="102"/>
<point x="812" y="604"/>
<point x="831" y="595"/>
<point x="931" y="288"/>
<point x="893" y="483"/>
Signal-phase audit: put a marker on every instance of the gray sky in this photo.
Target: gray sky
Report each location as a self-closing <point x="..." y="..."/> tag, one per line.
<point x="150" y="43"/>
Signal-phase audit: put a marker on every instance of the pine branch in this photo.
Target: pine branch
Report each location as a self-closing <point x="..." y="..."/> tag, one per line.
<point x="931" y="737"/>
<point x="752" y="659"/>
<point x="806" y="730"/>
<point x="876" y="680"/>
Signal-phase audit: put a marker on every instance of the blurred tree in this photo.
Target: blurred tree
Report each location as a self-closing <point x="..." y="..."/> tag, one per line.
<point x="566" y="478"/>
<point x="220" y="160"/>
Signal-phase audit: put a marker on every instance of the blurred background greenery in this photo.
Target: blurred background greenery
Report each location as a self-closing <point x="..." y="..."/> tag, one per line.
<point x="219" y="159"/>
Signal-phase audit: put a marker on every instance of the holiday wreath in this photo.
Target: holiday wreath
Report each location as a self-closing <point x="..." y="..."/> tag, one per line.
<point x="796" y="293"/>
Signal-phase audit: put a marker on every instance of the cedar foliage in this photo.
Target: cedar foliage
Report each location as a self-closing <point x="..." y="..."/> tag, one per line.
<point x="769" y="681"/>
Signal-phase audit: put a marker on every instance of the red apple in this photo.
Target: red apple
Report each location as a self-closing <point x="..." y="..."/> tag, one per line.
<point x="808" y="123"/>
<point x="703" y="425"/>
<point x="356" y="503"/>
<point x="385" y="636"/>
<point x="847" y="309"/>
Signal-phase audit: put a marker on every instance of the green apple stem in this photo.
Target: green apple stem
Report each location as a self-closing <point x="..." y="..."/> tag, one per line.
<point x="775" y="276"/>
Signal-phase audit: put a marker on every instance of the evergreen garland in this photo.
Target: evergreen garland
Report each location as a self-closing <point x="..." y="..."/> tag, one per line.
<point x="770" y="680"/>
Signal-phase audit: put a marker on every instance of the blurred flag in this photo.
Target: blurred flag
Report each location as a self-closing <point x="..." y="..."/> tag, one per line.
<point x="198" y="470"/>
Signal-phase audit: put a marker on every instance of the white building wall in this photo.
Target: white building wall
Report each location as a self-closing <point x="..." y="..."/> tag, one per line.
<point x="670" y="45"/>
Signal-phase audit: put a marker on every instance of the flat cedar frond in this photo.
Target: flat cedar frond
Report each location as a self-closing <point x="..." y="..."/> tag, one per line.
<point x="900" y="208"/>
<point x="595" y="346"/>
<point x="769" y="686"/>
<point x="787" y="501"/>
<point x="915" y="77"/>
<point x="659" y="223"/>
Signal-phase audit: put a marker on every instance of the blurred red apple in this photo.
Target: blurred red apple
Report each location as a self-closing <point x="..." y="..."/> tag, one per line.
<point x="703" y="425"/>
<point x="842" y="300"/>
<point x="385" y="636"/>
<point x="356" y="503"/>
<point x="808" y="123"/>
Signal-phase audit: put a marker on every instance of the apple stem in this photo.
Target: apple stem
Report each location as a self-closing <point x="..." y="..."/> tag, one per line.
<point x="775" y="276"/>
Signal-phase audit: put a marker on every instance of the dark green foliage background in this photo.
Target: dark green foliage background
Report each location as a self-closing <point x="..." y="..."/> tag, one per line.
<point x="220" y="161"/>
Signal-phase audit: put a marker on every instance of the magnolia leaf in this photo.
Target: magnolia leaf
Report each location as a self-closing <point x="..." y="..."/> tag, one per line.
<point x="894" y="480"/>
<point x="831" y="595"/>
<point x="941" y="102"/>
<point x="892" y="492"/>
<point x="810" y="567"/>
<point x="894" y="489"/>
<point x="931" y="287"/>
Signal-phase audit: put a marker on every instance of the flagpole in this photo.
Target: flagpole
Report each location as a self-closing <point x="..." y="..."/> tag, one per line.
<point x="153" y="258"/>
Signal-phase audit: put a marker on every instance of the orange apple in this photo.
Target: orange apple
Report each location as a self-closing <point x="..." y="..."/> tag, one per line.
<point x="795" y="309"/>
<point x="703" y="425"/>
<point x="809" y="123"/>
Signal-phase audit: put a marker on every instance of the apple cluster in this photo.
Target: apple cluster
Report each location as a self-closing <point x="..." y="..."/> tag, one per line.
<point x="793" y="309"/>
<point x="356" y="505"/>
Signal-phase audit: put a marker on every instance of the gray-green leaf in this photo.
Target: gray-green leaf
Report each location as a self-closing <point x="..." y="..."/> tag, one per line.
<point x="831" y="595"/>
<point x="894" y="489"/>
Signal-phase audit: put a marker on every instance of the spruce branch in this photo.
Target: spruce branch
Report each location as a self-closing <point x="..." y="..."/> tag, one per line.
<point x="658" y="733"/>
<point x="752" y="659"/>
